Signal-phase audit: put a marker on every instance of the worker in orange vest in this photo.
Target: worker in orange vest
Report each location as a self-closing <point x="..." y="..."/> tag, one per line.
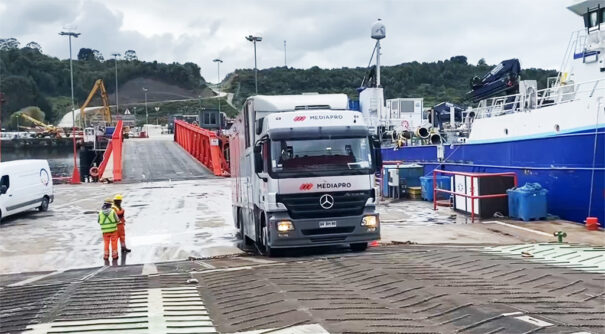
<point x="117" y="207"/>
<point x="109" y="221"/>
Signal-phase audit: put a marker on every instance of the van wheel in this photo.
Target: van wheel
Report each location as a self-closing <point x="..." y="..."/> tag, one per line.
<point x="360" y="247"/>
<point x="44" y="205"/>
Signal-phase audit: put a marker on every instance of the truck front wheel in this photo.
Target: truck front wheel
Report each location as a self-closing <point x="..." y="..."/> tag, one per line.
<point x="359" y="247"/>
<point x="268" y="250"/>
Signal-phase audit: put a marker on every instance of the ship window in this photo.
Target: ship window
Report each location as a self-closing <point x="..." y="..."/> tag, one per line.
<point x="557" y="128"/>
<point x="506" y="131"/>
<point x="594" y="18"/>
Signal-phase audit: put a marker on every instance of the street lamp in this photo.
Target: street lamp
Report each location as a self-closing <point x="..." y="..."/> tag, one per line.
<point x="218" y="62"/>
<point x="146" y="113"/>
<point x="157" y="110"/>
<point x="115" y="56"/>
<point x="255" y="39"/>
<point x="75" y="176"/>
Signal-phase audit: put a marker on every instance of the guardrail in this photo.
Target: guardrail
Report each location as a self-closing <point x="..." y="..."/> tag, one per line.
<point x="472" y="195"/>
<point x="203" y="145"/>
<point x="531" y="100"/>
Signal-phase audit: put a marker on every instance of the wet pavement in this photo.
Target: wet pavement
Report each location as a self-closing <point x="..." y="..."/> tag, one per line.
<point x="164" y="221"/>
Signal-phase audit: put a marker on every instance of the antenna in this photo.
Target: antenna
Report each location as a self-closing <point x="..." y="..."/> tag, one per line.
<point x="378" y="33"/>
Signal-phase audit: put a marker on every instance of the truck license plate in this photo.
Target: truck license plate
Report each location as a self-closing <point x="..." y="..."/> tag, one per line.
<point x="330" y="223"/>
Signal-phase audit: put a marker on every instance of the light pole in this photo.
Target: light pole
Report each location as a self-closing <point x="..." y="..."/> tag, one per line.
<point x="218" y="62"/>
<point x="75" y="176"/>
<point x="285" y="58"/>
<point x="255" y="39"/>
<point x="157" y="110"/>
<point x="115" y="57"/>
<point x="146" y="113"/>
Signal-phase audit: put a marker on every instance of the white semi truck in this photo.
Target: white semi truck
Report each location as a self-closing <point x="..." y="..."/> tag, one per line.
<point x="303" y="173"/>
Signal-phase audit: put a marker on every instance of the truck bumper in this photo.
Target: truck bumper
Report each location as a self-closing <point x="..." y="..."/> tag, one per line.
<point x="307" y="232"/>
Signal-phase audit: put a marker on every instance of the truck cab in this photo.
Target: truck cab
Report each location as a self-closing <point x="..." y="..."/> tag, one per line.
<point x="304" y="173"/>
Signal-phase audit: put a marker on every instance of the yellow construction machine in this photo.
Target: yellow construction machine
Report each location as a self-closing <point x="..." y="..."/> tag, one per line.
<point x="105" y="111"/>
<point x="42" y="129"/>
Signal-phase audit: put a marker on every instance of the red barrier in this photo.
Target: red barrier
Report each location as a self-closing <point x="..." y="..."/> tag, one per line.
<point x="203" y="145"/>
<point x="114" y="147"/>
<point x="116" y="142"/>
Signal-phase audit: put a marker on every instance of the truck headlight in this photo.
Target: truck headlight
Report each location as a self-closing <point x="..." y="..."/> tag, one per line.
<point x="285" y="226"/>
<point x="369" y="221"/>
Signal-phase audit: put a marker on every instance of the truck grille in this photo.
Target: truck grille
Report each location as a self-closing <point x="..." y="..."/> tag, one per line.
<point x="329" y="230"/>
<point x="346" y="203"/>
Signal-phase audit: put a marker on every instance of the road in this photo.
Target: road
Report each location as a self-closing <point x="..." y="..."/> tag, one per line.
<point x="159" y="159"/>
<point x="389" y="289"/>
<point x="165" y="221"/>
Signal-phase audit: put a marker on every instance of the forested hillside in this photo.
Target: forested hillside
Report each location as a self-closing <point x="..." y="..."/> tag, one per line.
<point x="28" y="77"/>
<point x="439" y="81"/>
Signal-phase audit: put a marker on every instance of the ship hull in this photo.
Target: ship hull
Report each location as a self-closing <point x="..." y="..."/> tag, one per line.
<point x="569" y="166"/>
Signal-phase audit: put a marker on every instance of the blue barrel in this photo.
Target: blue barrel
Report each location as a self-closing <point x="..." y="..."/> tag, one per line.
<point x="426" y="185"/>
<point x="528" y="202"/>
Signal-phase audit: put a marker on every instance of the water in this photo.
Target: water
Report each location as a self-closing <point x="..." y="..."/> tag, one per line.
<point x="60" y="159"/>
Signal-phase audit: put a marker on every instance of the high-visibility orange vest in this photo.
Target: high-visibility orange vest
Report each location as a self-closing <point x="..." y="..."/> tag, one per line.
<point x="120" y="213"/>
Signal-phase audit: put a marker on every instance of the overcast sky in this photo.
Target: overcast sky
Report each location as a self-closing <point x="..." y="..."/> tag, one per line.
<point x="326" y="33"/>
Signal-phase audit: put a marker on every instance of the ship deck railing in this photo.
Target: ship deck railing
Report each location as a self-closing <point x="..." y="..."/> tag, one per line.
<point x="531" y="99"/>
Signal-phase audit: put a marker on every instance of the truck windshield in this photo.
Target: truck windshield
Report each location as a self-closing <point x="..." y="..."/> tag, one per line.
<point x="321" y="156"/>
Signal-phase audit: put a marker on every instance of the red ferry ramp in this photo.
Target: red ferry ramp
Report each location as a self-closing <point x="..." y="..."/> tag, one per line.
<point x="159" y="159"/>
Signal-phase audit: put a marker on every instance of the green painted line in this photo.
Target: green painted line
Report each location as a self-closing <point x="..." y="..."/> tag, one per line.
<point x="524" y="247"/>
<point x="564" y="254"/>
<point x="590" y="258"/>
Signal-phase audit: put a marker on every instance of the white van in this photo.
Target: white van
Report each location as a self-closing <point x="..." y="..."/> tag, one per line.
<point x="25" y="185"/>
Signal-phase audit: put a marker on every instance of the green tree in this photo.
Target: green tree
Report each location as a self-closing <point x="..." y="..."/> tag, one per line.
<point x="86" y="54"/>
<point x="16" y="120"/>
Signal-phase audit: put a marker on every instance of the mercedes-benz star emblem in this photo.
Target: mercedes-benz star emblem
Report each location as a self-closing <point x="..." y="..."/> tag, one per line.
<point x="326" y="201"/>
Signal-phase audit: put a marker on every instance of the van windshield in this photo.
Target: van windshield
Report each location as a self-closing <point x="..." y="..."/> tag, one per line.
<point x="321" y="156"/>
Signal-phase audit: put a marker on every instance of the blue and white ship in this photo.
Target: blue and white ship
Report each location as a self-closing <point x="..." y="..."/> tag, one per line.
<point x="554" y="136"/>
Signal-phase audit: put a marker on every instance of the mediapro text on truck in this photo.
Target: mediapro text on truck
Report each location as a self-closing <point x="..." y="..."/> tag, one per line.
<point x="303" y="169"/>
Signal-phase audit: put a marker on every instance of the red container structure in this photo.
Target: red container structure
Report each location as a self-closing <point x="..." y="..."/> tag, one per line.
<point x="472" y="195"/>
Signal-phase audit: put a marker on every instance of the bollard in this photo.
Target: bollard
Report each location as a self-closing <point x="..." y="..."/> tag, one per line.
<point x="560" y="235"/>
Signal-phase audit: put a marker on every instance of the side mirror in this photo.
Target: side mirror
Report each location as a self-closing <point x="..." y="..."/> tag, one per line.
<point x="3" y="189"/>
<point x="258" y="158"/>
<point x="259" y="126"/>
<point x="377" y="152"/>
